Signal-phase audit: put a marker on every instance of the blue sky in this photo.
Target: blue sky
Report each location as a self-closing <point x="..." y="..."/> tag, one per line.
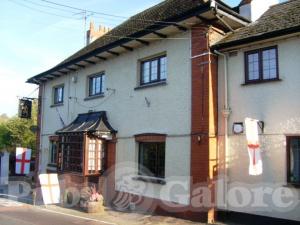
<point x="33" y="41"/>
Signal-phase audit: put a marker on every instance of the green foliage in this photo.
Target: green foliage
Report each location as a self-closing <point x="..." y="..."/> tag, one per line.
<point x="3" y="118"/>
<point x="16" y="132"/>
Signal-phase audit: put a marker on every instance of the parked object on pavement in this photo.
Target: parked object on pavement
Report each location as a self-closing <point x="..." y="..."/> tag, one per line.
<point x="90" y="200"/>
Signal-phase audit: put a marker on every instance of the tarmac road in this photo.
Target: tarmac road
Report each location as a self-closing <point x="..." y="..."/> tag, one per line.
<point x="15" y="213"/>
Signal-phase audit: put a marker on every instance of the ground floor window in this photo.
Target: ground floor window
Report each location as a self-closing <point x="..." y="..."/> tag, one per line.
<point x="71" y="153"/>
<point x="95" y="156"/>
<point x="293" y="157"/>
<point x="152" y="159"/>
<point x="81" y="153"/>
<point x="53" y="152"/>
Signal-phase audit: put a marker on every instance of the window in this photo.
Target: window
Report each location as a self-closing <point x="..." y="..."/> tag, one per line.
<point x="95" y="156"/>
<point x="152" y="159"/>
<point x="71" y="153"/>
<point x="77" y="157"/>
<point x="58" y="94"/>
<point x="53" y="152"/>
<point x="293" y="157"/>
<point x="262" y="65"/>
<point x="154" y="70"/>
<point x="96" y="84"/>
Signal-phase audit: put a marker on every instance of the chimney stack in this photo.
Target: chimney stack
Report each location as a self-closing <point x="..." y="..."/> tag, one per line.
<point x="92" y="34"/>
<point x="253" y="9"/>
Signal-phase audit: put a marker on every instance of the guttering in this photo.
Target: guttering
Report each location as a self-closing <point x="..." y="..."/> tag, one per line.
<point x="226" y="113"/>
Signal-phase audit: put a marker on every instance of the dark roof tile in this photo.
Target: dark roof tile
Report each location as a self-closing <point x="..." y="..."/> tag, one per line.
<point x="278" y="18"/>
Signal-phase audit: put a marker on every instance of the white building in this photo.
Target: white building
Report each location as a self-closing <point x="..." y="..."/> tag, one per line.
<point x="140" y="109"/>
<point x="262" y="64"/>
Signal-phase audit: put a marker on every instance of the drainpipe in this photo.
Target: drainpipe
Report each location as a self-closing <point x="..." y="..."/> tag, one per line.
<point x="226" y="113"/>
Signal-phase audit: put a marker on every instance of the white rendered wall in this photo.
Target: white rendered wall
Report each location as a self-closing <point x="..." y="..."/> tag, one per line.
<point x="127" y="111"/>
<point x="275" y="103"/>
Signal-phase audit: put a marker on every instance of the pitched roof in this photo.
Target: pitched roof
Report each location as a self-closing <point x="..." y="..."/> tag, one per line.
<point x="166" y="13"/>
<point x="160" y="12"/>
<point x="88" y="122"/>
<point x="280" y="19"/>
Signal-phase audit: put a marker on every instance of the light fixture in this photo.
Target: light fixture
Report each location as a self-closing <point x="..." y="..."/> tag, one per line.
<point x="238" y="128"/>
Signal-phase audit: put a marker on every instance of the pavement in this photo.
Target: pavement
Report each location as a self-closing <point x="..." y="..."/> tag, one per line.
<point x="16" y="213"/>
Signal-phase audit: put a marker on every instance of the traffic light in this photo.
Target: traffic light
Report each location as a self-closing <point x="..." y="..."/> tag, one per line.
<point x="25" y="107"/>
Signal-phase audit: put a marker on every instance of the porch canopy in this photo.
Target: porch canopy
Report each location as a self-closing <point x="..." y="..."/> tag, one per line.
<point x="94" y="123"/>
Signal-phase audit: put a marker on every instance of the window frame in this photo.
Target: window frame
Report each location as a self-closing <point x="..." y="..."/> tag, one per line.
<point x="100" y="156"/>
<point x="90" y="84"/>
<point x="55" y="94"/>
<point x="260" y="65"/>
<point x="288" y="158"/>
<point x="150" y="60"/>
<point x="53" y="143"/>
<point x="140" y="165"/>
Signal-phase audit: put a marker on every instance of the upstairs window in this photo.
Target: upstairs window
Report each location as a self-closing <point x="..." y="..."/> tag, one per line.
<point x="154" y="70"/>
<point x="58" y="97"/>
<point x="96" y="84"/>
<point x="262" y="65"/>
<point x="293" y="157"/>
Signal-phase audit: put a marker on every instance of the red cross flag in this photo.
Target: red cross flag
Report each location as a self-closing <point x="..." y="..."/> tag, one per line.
<point x="50" y="188"/>
<point x="23" y="156"/>
<point x="256" y="167"/>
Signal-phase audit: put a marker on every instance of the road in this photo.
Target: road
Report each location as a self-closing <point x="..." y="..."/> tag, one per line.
<point x="15" y="213"/>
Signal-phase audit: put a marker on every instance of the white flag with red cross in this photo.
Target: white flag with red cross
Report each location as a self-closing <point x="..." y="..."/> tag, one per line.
<point x="23" y="156"/>
<point x="50" y="188"/>
<point x="256" y="166"/>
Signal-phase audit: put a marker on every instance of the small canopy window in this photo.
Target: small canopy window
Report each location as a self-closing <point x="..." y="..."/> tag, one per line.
<point x="82" y="144"/>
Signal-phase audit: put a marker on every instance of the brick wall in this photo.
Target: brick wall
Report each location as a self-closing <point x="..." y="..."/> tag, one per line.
<point x="204" y="112"/>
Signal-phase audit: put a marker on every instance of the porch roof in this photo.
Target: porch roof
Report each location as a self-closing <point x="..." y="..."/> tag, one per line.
<point x="89" y="122"/>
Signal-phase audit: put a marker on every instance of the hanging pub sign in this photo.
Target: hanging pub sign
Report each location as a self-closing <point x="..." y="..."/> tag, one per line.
<point x="25" y="107"/>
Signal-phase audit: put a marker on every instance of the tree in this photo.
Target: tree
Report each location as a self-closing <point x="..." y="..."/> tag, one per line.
<point x="16" y="132"/>
<point x="3" y="118"/>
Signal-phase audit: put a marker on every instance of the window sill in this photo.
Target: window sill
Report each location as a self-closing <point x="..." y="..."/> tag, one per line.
<point x="94" y="97"/>
<point x="52" y="165"/>
<point x="57" y="105"/>
<point x="154" y="180"/>
<point x="160" y="83"/>
<point x="292" y="185"/>
<point x="260" y="82"/>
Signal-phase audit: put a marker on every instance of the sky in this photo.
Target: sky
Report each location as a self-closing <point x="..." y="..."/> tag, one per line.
<point x="36" y="35"/>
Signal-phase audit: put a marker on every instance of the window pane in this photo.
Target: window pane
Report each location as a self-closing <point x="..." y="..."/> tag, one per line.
<point x="269" y="64"/>
<point x="95" y="85"/>
<point x="163" y="68"/>
<point x="72" y="153"/>
<point x="152" y="159"/>
<point x="92" y="156"/>
<point x="295" y="160"/>
<point x="53" y="152"/>
<point x="146" y="72"/>
<point x="154" y="70"/>
<point x="98" y="85"/>
<point x="58" y="95"/>
<point x="253" y="66"/>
